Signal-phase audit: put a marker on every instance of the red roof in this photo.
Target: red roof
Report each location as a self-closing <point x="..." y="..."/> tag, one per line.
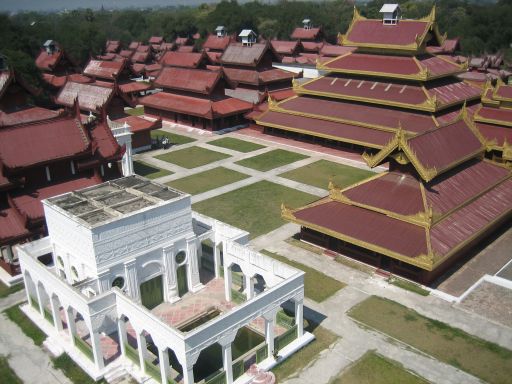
<point x="324" y="128"/>
<point x="375" y="33"/>
<point x="112" y="45"/>
<point x="495" y="132"/>
<point x="282" y="94"/>
<point x="446" y="92"/>
<point x="104" y="69"/>
<point x="28" y="201"/>
<point x="143" y="48"/>
<point x="236" y="53"/>
<point x="186" y="48"/>
<point x="12" y="225"/>
<point x="305" y="34"/>
<point x="311" y="46"/>
<point x="126" y="53"/>
<point x="91" y="97"/>
<point x="27" y="115"/>
<point x="138" y="124"/>
<point x="29" y="144"/>
<point x="156" y="40"/>
<point x="335" y="50"/>
<point x="47" y="62"/>
<point x="182" y="59"/>
<point x="217" y="43"/>
<point x="134" y="44"/>
<point x="166" y="46"/>
<point x="195" y="106"/>
<point x="504" y="92"/>
<point x="106" y="145"/>
<point x="134" y="86"/>
<point x="182" y="40"/>
<point x="140" y="57"/>
<point x="214" y="57"/>
<point x="59" y="81"/>
<point x="193" y="80"/>
<point x="252" y="76"/>
<point x="285" y="47"/>
<point x="494" y="115"/>
<point x="446" y="146"/>
<point x="359" y="114"/>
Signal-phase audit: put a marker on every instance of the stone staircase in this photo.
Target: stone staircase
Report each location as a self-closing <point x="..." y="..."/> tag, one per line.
<point x="118" y="374"/>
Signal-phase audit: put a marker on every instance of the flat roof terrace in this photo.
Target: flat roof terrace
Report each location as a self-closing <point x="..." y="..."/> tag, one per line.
<point x="101" y="203"/>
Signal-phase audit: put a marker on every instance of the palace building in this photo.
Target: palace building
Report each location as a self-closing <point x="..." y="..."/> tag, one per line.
<point x="387" y="80"/>
<point x="131" y="281"/>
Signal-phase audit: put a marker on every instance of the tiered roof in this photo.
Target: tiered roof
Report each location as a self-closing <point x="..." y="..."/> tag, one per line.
<point x="108" y="70"/>
<point x="422" y="217"/>
<point x="183" y="59"/>
<point x="184" y="79"/>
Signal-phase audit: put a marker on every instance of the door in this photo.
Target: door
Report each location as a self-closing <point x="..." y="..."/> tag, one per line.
<point x="152" y="292"/>
<point x="182" y="280"/>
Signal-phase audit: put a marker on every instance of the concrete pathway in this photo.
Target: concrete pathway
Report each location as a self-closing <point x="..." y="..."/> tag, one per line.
<point x="30" y="362"/>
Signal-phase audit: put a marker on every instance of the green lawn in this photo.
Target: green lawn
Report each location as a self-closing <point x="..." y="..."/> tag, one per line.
<point x="27" y="326"/>
<point x="373" y="368"/>
<point x="320" y="172"/>
<point x="8" y="376"/>
<point x="270" y="160"/>
<point x="207" y="180"/>
<point x="151" y="172"/>
<point x="192" y="157"/>
<point x="408" y="285"/>
<point x="255" y="208"/>
<point x="174" y="138"/>
<point x="6" y="291"/>
<point x="135" y="111"/>
<point x="73" y="371"/>
<point x="317" y="286"/>
<point x="483" y="359"/>
<point x="236" y="144"/>
<point x="292" y="365"/>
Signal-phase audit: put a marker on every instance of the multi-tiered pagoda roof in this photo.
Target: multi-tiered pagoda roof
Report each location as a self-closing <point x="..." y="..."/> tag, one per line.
<point x="391" y="76"/>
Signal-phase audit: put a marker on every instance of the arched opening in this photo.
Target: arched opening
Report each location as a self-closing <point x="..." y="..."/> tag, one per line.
<point x="209" y="363"/>
<point x="152" y="286"/>
<point x="207" y="261"/>
<point x="59" y="312"/>
<point x="30" y="286"/>
<point x="237" y="283"/>
<point x="181" y="273"/>
<point x="259" y="283"/>
<point x="243" y="349"/>
<point x="45" y="303"/>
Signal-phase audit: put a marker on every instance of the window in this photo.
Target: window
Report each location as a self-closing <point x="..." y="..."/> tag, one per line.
<point x="74" y="273"/>
<point x="60" y="262"/>
<point x="180" y="257"/>
<point x="118" y="282"/>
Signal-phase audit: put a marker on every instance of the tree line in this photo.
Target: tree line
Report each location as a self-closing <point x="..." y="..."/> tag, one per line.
<point x="482" y="27"/>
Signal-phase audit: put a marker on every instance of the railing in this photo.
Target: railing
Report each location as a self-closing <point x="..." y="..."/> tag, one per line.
<point x="286" y="338"/>
<point x="261" y="353"/>
<point x="83" y="347"/>
<point x="219" y="379"/>
<point x="152" y="370"/>
<point x="238" y="369"/>
<point x="131" y="353"/>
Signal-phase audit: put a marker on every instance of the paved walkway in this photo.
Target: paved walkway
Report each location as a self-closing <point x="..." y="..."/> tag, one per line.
<point x="30" y="362"/>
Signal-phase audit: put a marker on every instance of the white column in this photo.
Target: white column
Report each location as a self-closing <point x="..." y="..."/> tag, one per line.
<point x="103" y="281"/>
<point x="299" y="316"/>
<point x="193" y="266"/>
<point x="40" y="300"/>
<point x="227" y="361"/>
<point x="96" y="349"/>
<point x="171" y="285"/>
<point x="187" y="362"/>
<point x="270" y="319"/>
<point x="227" y="282"/>
<point x="70" y="319"/>
<point x="188" y="375"/>
<point x="57" y="321"/>
<point x="249" y="287"/>
<point x="123" y="338"/>
<point x="165" y="369"/>
<point x="141" y="348"/>
<point x="216" y="260"/>
<point x="132" y="282"/>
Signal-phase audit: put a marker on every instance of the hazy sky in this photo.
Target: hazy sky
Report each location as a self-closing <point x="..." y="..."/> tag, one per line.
<point x="51" y="5"/>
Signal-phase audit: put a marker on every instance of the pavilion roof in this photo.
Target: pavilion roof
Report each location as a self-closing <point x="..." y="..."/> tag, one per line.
<point x="331" y="50"/>
<point x="301" y="33"/>
<point x="239" y="54"/>
<point x="193" y="80"/>
<point x="143" y="48"/>
<point x="214" y="57"/>
<point x="217" y="43"/>
<point x="138" y="124"/>
<point x="183" y="59"/>
<point x="47" y="62"/>
<point x="424" y="67"/>
<point x="156" y="40"/>
<point x="112" y="46"/>
<point x="41" y="142"/>
<point x="432" y="96"/>
<point x="406" y="35"/>
<point x="134" y="45"/>
<point x="104" y="69"/>
<point x="186" y="48"/>
<point x="140" y="57"/>
<point x="420" y="223"/>
<point x="126" y="53"/>
<point x="196" y="106"/>
<point x="12" y="225"/>
<point x="182" y="40"/>
<point x="27" y="115"/>
<point x="497" y="116"/>
<point x="254" y="77"/>
<point x="91" y="97"/>
<point x="134" y="86"/>
<point x="437" y="150"/>
<point x="285" y="47"/>
<point x="312" y="46"/>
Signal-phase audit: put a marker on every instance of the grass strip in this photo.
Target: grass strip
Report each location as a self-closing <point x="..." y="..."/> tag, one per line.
<point x="7" y="374"/>
<point x="317" y="286"/>
<point x="31" y="330"/>
<point x="236" y="144"/>
<point x="150" y="171"/>
<point x="270" y="160"/>
<point x="485" y="360"/>
<point x="174" y="138"/>
<point x="73" y="372"/>
<point x="6" y="291"/>
<point x="408" y="285"/>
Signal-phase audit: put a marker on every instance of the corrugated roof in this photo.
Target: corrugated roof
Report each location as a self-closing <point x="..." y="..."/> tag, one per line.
<point x="217" y="43"/>
<point x="104" y="69"/>
<point x="47" y="62"/>
<point x="498" y="133"/>
<point x="193" y="80"/>
<point x="138" y="124"/>
<point x="29" y="144"/>
<point x="91" y="97"/>
<point x="285" y="47"/>
<point x="134" y="86"/>
<point x="254" y="77"/>
<point x="12" y="225"/>
<point x="182" y="59"/>
<point x="236" y="53"/>
<point x="156" y="40"/>
<point x="27" y="115"/>
<point x="305" y="34"/>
